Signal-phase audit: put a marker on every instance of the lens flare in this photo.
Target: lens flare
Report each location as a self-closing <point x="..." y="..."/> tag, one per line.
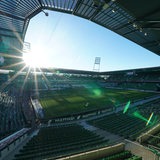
<point x="149" y="119"/>
<point x="126" y="107"/>
<point x="138" y="115"/>
<point x="97" y="92"/>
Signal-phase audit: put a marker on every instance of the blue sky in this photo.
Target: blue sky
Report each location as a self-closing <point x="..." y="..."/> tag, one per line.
<point x="66" y="41"/>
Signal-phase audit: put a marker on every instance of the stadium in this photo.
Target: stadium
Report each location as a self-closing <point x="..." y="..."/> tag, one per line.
<point x="68" y="114"/>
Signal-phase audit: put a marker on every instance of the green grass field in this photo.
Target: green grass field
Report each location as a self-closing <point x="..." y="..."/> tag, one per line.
<point x="70" y="101"/>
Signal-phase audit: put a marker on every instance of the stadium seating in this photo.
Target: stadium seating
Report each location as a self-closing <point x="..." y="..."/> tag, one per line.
<point x="155" y="141"/>
<point x="150" y="107"/>
<point x="60" y="141"/>
<point x="124" y="125"/>
<point x="136" y="79"/>
<point x="125" y="155"/>
<point x="11" y="116"/>
<point x="12" y="106"/>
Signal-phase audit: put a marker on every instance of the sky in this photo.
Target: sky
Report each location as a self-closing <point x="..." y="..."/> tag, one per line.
<point x="66" y="41"/>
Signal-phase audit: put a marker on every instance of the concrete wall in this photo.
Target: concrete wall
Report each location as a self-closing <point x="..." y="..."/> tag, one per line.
<point x="140" y="150"/>
<point x="96" y="154"/>
<point x="6" y="151"/>
<point x="146" y="135"/>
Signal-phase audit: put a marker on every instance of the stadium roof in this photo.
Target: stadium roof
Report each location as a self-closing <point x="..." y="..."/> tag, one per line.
<point x="136" y="20"/>
<point x="89" y="73"/>
<point x="138" y="70"/>
<point x="72" y="71"/>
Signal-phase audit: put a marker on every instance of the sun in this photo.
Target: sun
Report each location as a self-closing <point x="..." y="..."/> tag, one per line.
<point x="36" y="58"/>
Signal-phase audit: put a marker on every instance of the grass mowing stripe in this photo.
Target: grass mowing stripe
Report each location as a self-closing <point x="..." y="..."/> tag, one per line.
<point x="73" y="100"/>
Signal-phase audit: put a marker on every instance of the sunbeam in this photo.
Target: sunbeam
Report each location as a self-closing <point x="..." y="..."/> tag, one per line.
<point x="35" y="81"/>
<point x="45" y="78"/>
<point x="10" y="56"/>
<point x="17" y="35"/>
<point x="13" y="65"/>
<point x="25" y="79"/>
<point x="4" y="85"/>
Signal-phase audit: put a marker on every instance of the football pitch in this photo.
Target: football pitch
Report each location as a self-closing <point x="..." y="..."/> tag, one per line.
<point x="72" y="101"/>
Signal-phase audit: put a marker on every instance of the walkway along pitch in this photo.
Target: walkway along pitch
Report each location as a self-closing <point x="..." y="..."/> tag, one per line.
<point x="106" y="135"/>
